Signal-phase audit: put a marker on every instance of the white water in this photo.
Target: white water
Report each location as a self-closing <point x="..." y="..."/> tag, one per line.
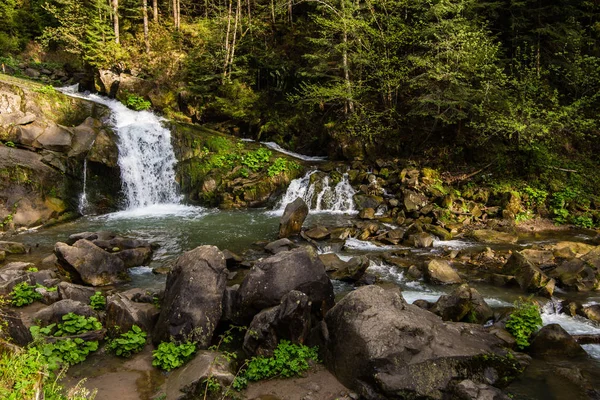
<point x="83" y="202"/>
<point x="146" y="157"/>
<point x="278" y="148"/>
<point x="338" y="199"/>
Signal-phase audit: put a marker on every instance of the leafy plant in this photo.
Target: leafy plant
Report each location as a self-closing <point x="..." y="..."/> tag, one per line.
<point x="68" y="351"/>
<point x="524" y="321"/>
<point x="9" y="144"/>
<point x="288" y="360"/>
<point x="98" y="301"/>
<point x="128" y="343"/>
<point x="281" y="165"/>
<point x="47" y="89"/>
<point x="24" y="294"/>
<point x="169" y="355"/>
<point x="74" y="324"/>
<point x="255" y="160"/>
<point x="137" y="103"/>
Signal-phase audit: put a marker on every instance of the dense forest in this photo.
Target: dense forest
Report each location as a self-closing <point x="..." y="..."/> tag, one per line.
<point x="515" y="82"/>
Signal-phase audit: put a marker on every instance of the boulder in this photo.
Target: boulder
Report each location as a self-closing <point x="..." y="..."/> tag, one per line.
<point x="569" y="250"/>
<point x="438" y="231"/>
<point x="270" y="279"/>
<point x="193" y="299"/>
<point x="123" y="313"/>
<point x="48" y="296"/>
<point x="420" y="240"/>
<point x="231" y="259"/>
<point x="135" y="257"/>
<point x="291" y="320"/>
<point x="469" y="390"/>
<point x="12" y="274"/>
<point x="383" y="348"/>
<point x="293" y="217"/>
<point x="352" y="270"/>
<point x="189" y="381"/>
<point x="280" y="245"/>
<point x="576" y="274"/>
<point x="317" y="233"/>
<point x="439" y="272"/>
<point x="414" y="201"/>
<point x="16" y="329"/>
<point x="55" y="138"/>
<point x="71" y="291"/>
<point x="552" y="341"/>
<point x="494" y="237"/>
<point x="464" y="304"/>
<point x="592" y="312"/>
<point x="529" y="277"/>
<point x="55" y="312"/>
<point x="367" y="213"/>
<point x="90" y="264"/>
<point x="12" y="247"/>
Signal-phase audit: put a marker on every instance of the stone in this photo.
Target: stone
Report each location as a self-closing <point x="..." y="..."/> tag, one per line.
<point x="494" y="237"/>
<point x="12" y="274"/>
<point x="90" y="264"/>
<point x="464" y="304"/>
<point x="293" y="217"/>
<point x="84" y="136"/>
<point x="280" y="245"/>
<point x="592" y="312"/>
<point x="270" y="279"/>
<point x="231" y="259"/>
<point x="552" y="341"/>
<point x="135" y="257"/>
<point x="16" y="328"/>
<point x="32" y="73"/>
<point x="381" y="347"/>
<point x="529" y="277"/>
<point x="414" y="201"/>
<point x="48" y="296"/>
<point x="420" y="240"/>
<point x="576" y="274"/>
<point x="352" y="270"/>
<point x="438" y="231"/>
<point x="193" y="299"/>
<point x="56" y="138"/>
<point x="123" y="313"/>
<point x="13" y="247"/>
<point x="365" y="201"/>
<point x="54" y="312"/>
<point x="439" y="272"/>
<point x="71" y="291"/>
<point x="366" y="213"/>
<point x="317" y="233"/>
<point x="291" y="320"/>
<point x="189" y="381"/>
<point x="469" y="390"/>
<point x="570" y="249"/>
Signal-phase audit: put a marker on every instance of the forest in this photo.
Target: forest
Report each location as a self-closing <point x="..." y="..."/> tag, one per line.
<point x="510" y="81"/>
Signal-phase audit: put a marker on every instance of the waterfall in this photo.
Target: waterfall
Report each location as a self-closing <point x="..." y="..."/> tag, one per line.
<point x="83" y="203"/>
<point x="320" y="196"/>
<point x="146" y="156"/>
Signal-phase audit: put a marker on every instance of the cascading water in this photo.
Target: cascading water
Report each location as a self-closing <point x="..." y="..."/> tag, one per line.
<point x="83" y="203"/>
<point x="320" y="196"/>
<point x="146" y="157"/>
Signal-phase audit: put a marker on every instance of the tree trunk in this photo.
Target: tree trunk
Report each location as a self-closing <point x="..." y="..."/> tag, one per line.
<point x="238" y="13"/>
<point x="349" y="106"/>
<point x="115" y="6"/>
<point x="155" y="10"/>
<point x="176" y="14"/>
<point x="226" y="65"/>
<point x="145" y="12"/>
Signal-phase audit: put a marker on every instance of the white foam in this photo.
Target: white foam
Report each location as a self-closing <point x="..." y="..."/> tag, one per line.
<point x="453" y="244"/>
<point x="573" y="325"/>
<point x="356" y="244"/>
<point x="278" y="148"/>
<point x="157" y="211"/>
<point x="143" y="270"/>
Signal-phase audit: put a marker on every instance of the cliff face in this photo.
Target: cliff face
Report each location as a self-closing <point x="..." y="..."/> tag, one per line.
<point x="45" y="137"/>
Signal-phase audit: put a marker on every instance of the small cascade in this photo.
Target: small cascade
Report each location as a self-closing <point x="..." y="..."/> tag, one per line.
<point x="83" y="202"/>
<point x="146" y="156"/>
<point x="320" y="195"/>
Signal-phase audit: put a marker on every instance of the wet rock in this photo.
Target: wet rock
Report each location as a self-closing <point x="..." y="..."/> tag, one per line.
<point x="55" y="312"/>
<point x="90" y="264"/>
<point x="553" y="341"/>
<point x="291" y="320"/>
<point x="189" y="381"/>
<point x="530" y="278"/>
<point x="293" y="217"/>
<point x="135" y="257"/>
<point x="317" y="233"/>
<point x="280" y="245"/>
<point x="576" y="274"/>
<point x="123" y="313"/>
<point x="366" y="213"/>
<point x="438" y="231"/>
<point x="382" y="347"/>
<point x="272" y="278"/>
<point x="469" y="390"/>
<point x="230" y="303"/>
<point x="414" y="201"/>
<point x="439" y="272"/>
<point x="48" y="296"/>
<point x="538" y="257"/>
<point x="363" y="201"/>
<point x="569" y="250"/>
<point x="394" y="236"/>
<point x="13" y="247"/>
<point x="592" y="312"/>
<point x="464" y="304"/>
<point x="424" y="304"/>
<point x="12" y="274"/>
<point x="91" y="236"/>
<point x="232" y="260"/>
<point x="55" y="138"/>
<point x="494" y="237"/>
<point x="351" y="270"/>
<point x="193" y="299"/>
<point x="420" y="240"/>
<point x="16" y="329"/>
<point x="332" y="262"/>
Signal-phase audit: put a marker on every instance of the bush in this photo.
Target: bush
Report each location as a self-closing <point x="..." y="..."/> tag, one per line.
<point x="24" y="294"/>
<point x="74" y="324"/>
<point x="128" y="343"/>
<point x="137" y="103"/>
<point x="255" y="160"/>
<point x="524" y="321"/>
<point x="169" y="355"/>
<point x="66" y="352"/>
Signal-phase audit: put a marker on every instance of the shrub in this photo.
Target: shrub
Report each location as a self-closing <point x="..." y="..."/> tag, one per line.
<point x="169" y="355"/>
<point x="137" y="103"/>
<point x="128" y="343"/>
<point x="74" y="324"/>
<point x="98" y="301"/>
<point x="255" y="160"/>
<point x="67" y="352"/>
<point x="24" y="294"/>
<point x="524" y="321"/>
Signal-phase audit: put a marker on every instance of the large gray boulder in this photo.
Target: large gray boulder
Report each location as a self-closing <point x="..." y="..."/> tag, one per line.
<point x="75" y="292"/>
<point x="54" y="312"/>
<point x="292" y="219"/>
<point x="270" y="279"/>
<point x="90" y="264"/>
<point x="440" y="272"/>
<point x="384" y="348"/>
<point x="530" y="278"/>
<point x="14" y="273"/>
<point x="291" y="320"/>
<point x="552" y="341"/>
<point x="464" y="304"/>
<point x="123" y="313"/>
<point x="193" y="299"/>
